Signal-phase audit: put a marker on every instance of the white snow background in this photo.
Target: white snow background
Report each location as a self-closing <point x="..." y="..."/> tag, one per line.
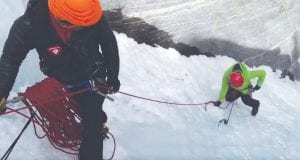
<point x="150" y="131"/>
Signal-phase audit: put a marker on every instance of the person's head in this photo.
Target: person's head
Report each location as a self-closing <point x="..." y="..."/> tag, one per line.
<point x="236" y="79"/>
<point x="81" y="13"/>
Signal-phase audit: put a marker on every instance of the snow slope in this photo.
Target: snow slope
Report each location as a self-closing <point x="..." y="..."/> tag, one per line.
<point x="147" y="130"/>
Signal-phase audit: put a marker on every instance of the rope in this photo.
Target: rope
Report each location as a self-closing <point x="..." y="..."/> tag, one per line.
<point x="53" y="99"/>
<point x="114" y="143"/>
<point x="50" y="100"/>
<point x="56" y="113"/>
<point x="165" y="102"/>
<point x="60" y="120"/>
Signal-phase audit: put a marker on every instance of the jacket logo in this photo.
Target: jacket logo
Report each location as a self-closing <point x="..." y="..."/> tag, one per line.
<point x="55" y="50"/>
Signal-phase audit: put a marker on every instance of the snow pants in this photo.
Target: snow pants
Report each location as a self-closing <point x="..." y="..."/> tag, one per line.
<point x="93" y="116"/>
<point x="233" y="94"/>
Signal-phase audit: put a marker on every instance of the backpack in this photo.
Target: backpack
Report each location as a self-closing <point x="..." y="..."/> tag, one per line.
<point x="31" y="6"/>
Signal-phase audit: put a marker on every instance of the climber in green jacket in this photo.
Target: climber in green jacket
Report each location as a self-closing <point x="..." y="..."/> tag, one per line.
<point x="237" y="83"/>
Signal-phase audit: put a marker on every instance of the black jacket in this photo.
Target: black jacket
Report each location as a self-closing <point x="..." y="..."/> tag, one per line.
<point x="77" y="61"/>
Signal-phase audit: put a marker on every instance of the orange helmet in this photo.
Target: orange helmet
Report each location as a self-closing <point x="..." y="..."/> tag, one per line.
<point x="236" y="79"/>
<point x="77" y="12"/>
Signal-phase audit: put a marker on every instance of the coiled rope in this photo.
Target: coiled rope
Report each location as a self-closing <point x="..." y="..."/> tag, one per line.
<point x="53" y="109"/>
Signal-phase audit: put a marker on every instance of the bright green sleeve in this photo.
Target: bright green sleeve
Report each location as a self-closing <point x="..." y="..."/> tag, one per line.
<point x="261" y="74"/>
<point x="225" y="85"/>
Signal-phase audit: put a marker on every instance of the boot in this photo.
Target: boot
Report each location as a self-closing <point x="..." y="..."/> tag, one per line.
<point x="254" y="110"/>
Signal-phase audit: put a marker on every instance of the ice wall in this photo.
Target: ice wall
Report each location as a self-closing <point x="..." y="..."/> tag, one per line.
<point x="265" y="24"/>
<point x="261" y="32"/>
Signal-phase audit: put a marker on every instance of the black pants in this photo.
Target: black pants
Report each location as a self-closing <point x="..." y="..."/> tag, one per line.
<point x="233" y="94"/>
<point x="93" y="116"/>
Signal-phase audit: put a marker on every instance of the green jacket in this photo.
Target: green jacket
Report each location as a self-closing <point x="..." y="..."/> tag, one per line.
<point x="248" y="76"/>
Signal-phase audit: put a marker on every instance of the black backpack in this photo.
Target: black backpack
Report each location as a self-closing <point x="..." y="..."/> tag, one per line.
<point x="237" y="67"/>
<point x="31" y="6"/>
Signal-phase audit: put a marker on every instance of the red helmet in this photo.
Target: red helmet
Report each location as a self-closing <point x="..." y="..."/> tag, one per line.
<point x="236" y="79"/>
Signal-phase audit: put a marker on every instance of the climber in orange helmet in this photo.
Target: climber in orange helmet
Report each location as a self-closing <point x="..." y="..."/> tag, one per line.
<point x="66" y="35"/>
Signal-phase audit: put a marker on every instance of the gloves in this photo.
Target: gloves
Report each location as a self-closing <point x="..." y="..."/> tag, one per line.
<point x="217" y="103"/>
<point x="257" y="87"/>
<point x="2" y="105"/>
<point x="113" y="85"/>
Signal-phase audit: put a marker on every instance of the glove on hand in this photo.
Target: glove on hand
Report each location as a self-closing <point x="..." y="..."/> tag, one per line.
<point x="217" y="103"/>
<point x="2" y="105"/>
<point x="113" y="85"/>
<point x="257" y="87"/>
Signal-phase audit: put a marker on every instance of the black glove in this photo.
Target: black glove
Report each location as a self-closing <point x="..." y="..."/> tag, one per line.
<point x="113" y="85"/>
<point x="257" y="87"/>
<point x="217" y="103"/>
<point x="2" y="105"/>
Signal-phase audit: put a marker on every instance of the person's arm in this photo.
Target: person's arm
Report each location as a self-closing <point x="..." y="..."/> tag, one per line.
<point x="225" y="85"/>
<point x="110" y="51"/>
<point x="260" y="74"/>
<point x="15" y="50"/>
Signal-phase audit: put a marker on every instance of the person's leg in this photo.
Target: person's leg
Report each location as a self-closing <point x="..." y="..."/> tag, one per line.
<point x="248" y="100"/>
<point x="93" y="116"/>
<point x="232" y="95"/>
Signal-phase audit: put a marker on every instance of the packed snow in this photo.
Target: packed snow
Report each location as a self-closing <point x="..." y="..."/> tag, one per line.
<point x="147" y="130"/>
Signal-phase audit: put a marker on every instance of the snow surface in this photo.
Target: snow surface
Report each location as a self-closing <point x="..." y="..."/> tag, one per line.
<point x="147" y="130"/>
